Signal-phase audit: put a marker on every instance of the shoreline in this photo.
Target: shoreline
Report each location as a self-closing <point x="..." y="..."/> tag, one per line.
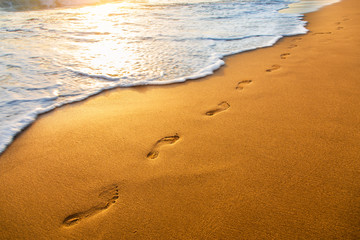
<point x="15" y="127"/>
<point x="264" y="148"/>
<point x="201" y="74"/>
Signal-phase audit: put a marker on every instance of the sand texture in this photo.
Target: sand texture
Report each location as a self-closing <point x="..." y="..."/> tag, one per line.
<point x="267" y="148"/>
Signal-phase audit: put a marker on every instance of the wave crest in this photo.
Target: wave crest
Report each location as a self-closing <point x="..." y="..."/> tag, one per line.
<point x="21" y="5"/>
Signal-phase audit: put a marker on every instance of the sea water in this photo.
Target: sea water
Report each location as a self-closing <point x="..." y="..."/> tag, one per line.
<point x="54" y="52"/>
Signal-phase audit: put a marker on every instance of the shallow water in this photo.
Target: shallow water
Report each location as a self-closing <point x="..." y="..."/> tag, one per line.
<point x="53" y="56"/>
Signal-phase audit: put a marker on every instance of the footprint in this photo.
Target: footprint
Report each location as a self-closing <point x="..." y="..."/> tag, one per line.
<point x="297" y="39"/>
<point x="108" y="197"/>
<point x="293" y="46"/>
<point x="273" y="68"/>
<point x="221" y="107"/>
<point x="317" y="33"/>
<point x="339" y="28"/>
<point x="154" y="153"/>
<point x="242" y="84"/>
<point x="284" y="55"/>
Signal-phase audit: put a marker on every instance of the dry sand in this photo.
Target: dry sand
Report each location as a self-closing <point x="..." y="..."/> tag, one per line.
<point x="267" y="148"/>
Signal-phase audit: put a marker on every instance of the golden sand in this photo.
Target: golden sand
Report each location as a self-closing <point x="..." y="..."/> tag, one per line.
<point x="267" y="148"/>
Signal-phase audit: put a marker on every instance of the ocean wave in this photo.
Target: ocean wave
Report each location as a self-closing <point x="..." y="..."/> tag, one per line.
<point x="44" y="4"/>
<point x="96" y="76"/>
<point x="41" y="4"/>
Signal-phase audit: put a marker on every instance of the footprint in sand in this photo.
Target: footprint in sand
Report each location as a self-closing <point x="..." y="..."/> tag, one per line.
<point x="321" y="33"/>
<point x="220" y="107"/>
<point x="108" y="197"/>
<point x="292" y="46"/>
<point x="241" y="84"/>
<point x="339" y="24"/>
<point x="273" y="68"/>
<point x="154" y="153"/>
<point x="297" y="39"/>
<point x="284" y="55"/>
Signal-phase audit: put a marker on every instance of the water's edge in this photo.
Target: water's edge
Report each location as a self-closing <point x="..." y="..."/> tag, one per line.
<point x="210" y="70"/>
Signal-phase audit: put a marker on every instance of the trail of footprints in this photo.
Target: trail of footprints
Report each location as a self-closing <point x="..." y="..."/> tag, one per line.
<point x="221" y="107"/>
<point x="339" y="24"/>
<point x="108" y="197"/>
<point x="224" y="105"/>
<point x="275" y="67"/>
<point x="110" y="194"/>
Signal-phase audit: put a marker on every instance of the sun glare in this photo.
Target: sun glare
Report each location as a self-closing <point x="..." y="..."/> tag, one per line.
<point x="102" y="45"/>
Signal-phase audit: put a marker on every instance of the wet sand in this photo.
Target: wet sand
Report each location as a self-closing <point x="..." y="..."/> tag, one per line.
<point x="267" y="148"/>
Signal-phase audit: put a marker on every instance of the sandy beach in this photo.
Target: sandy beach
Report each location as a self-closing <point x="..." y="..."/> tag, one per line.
<point x="266" y="148"/>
